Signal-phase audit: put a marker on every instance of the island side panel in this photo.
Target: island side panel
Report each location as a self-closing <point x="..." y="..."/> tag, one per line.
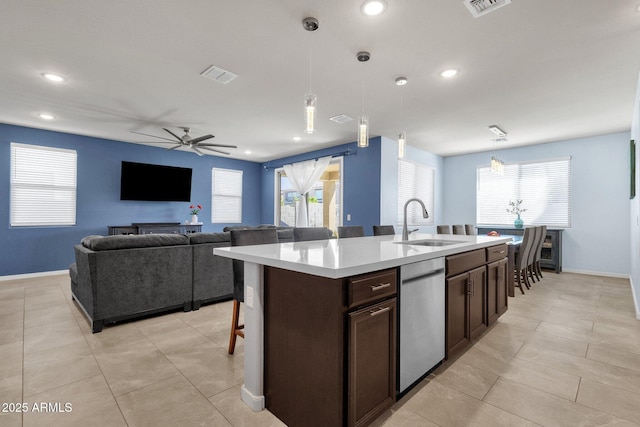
<point x="305" y="348"/>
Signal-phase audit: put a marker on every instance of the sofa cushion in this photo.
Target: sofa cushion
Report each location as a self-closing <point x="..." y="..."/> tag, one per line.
<point x="285" y="235"/>
<point x="106" y="243"/>
<point x="199" y="238"/>
<point x="247" y="227"/>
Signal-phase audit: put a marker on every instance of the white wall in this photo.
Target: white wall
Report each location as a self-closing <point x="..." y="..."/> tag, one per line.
<point x="389" y="183"/>
<point x="634" y="221"/>
<point x="598" y="240"/>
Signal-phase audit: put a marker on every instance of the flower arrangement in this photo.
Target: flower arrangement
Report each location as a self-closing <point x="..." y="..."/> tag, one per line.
<point x="515" y="207"/>
<point x="195" y="209"/>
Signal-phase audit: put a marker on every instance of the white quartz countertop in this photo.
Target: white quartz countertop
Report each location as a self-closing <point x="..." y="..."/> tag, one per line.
<point x="337" y="258"/>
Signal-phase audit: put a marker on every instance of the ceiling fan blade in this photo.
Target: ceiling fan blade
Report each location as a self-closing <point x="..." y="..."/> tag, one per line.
<point x="180" y="140"/>
<point x="213" y="149"/>
<point x="146" y="134"/>
<point x="201" y="138"/>
<point x="173" y="148"/>
<point x="217" y="145"/>
<point x="198" y="152"/>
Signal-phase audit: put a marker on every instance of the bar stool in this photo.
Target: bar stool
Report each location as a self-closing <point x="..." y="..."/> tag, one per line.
<point x="443" y="229"/>
<point x="470" y="230"/>
<point x="458" y="229"/>
<point x="259" y="236"/>
<point x="305" y="234"/>
<point x="350" y="231"/>
<point x="383" y="230"/>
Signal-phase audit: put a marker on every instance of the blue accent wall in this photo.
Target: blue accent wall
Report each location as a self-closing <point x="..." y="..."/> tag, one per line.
<point x="361" y="192"/>
<point x="38" y="249"/>
<point x="598" y="240"/>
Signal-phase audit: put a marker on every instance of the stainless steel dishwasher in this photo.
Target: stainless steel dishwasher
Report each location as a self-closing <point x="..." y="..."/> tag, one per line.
<point x="422" y="318"/>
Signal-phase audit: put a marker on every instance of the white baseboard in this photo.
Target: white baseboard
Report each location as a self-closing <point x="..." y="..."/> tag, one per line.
<point x="596" y="273"/>
<point x="635" y="299"/>
<point x="32" y="275"/>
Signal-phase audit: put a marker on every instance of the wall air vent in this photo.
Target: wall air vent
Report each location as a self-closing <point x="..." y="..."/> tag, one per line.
<point x="482" y="7"/>
<point x="218" y="74"/>
<point x="341" y="118"/>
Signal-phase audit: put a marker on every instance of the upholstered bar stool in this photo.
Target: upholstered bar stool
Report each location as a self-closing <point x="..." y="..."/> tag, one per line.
<point x="470" y="230"/>
<point x="261" y="236"/>
<point x="305" y="234"/>
<point x="350" y="231"/>
<point x="443" y="229"/>
<point x="384" y="230"/>
<point x="458" y="229"/>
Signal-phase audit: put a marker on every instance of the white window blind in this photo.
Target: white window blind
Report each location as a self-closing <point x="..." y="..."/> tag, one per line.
<point x="43" y="186"/>
<point x="415" y="180"/>
<point x="226" y="198"/>
<point x="543" y="186"/>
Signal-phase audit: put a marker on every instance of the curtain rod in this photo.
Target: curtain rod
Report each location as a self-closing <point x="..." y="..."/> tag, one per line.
<point x="348" y="152"/>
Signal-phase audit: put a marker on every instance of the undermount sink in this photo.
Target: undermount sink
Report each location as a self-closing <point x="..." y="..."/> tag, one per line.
<point x="429" y="242"/>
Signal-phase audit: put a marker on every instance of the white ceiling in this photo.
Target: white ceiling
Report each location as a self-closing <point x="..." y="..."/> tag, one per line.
<point x="542" y="70"/>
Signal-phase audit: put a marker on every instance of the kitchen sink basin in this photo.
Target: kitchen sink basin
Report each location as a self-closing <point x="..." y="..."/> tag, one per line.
<point x="429" y="242"/>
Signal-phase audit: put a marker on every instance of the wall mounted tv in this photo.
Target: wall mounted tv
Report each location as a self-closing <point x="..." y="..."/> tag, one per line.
<point x="142" y="181"/>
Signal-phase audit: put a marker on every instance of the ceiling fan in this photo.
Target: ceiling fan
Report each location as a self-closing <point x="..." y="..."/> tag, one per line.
<point x="196" y="144"/>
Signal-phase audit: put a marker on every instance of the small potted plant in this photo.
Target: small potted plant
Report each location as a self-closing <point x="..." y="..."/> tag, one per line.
<point x="195" y="209"/>
<point x="516" y="208"/>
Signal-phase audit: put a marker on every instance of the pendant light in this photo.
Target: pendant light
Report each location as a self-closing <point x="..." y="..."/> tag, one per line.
<point x="402" y="136"/>
<point x="497" y="164"/>
<point x="363" y="119"/>
<point x="310" y="24"/>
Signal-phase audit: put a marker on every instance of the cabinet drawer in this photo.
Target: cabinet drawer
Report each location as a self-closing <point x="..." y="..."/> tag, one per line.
<point x="372" y="287"/>
<point x="465" y="261"/>
<point x="497" y="252"/>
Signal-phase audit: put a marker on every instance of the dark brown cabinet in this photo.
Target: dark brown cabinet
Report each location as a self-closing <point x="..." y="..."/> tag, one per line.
<point x="466" y="308"/>
<point x="330" y="347"/>
<point x="372" y="354"/>
<point x="497" y="276"/>
<point x="496" y="290"/>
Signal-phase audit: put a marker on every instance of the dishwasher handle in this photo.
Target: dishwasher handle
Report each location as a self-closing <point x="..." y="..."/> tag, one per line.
<point x="428" y="275"/>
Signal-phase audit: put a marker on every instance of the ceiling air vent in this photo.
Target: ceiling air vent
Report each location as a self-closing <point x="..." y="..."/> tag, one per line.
<point x="218" y="74"/>
<point x="341" y="118"/>
<point x="482" y="7"/>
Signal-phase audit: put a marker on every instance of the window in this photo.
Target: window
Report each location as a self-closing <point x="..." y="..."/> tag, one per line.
<point x="226" y="197"/>
<point x="43" y="186"/>
<point x="415" y="180"/>
<point x="543" y="186"/>
<point x="324" y="199"/>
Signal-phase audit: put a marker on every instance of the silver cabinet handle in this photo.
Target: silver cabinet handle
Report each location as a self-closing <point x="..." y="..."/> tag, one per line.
<point x="379" y="311"/>
<point x="375" y="288"/>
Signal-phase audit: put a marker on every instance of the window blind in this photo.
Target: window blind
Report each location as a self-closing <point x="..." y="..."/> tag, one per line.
<point x="543" y="186"/>
<point x="43" y="186"/>
<point x="226" y="198"/>
<point x="415" y="180"/>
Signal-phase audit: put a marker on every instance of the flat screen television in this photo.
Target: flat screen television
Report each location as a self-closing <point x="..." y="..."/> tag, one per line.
<point x="142" y="181"/>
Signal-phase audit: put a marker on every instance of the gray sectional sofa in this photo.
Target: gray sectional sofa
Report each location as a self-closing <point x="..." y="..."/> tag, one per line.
<point x="123" y="277"/>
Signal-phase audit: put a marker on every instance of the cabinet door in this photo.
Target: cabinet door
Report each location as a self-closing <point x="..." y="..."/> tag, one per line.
<point x="457" y="314"/>
<point x="496" y="290"/>
<point x="372" y="362"/>
<point x="477" y="301"/>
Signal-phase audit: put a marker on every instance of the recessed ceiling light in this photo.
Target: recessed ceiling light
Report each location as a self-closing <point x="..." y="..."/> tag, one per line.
<point x="247" y="151"/>
<point x="449" y="73"/>
<point x="297" y="138"/>
<point x="53" y="77"/>
<point x="401" y="81"/>
<point x="46" y="116"/>
<point x="373" y="7"/>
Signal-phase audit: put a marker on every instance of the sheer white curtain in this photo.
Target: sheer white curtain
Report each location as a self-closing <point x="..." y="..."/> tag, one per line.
<point x="303" y="176"/>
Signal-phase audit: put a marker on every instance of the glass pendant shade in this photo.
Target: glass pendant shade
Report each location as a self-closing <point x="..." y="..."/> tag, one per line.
<point x="310" y="112"/>
<point x="497" y="165"/>
<point x="363" y="131"/>
<point x="402" y="143"/>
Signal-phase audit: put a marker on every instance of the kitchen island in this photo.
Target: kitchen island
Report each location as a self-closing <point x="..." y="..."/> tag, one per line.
<point x="308" y="298"/>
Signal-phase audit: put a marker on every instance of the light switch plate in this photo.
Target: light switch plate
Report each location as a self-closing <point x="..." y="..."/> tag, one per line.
<point x="249" y="297"/>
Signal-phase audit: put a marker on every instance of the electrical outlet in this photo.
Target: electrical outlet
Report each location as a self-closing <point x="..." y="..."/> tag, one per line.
<point x="248" y="300"/>
<point x="348" y="217"/>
